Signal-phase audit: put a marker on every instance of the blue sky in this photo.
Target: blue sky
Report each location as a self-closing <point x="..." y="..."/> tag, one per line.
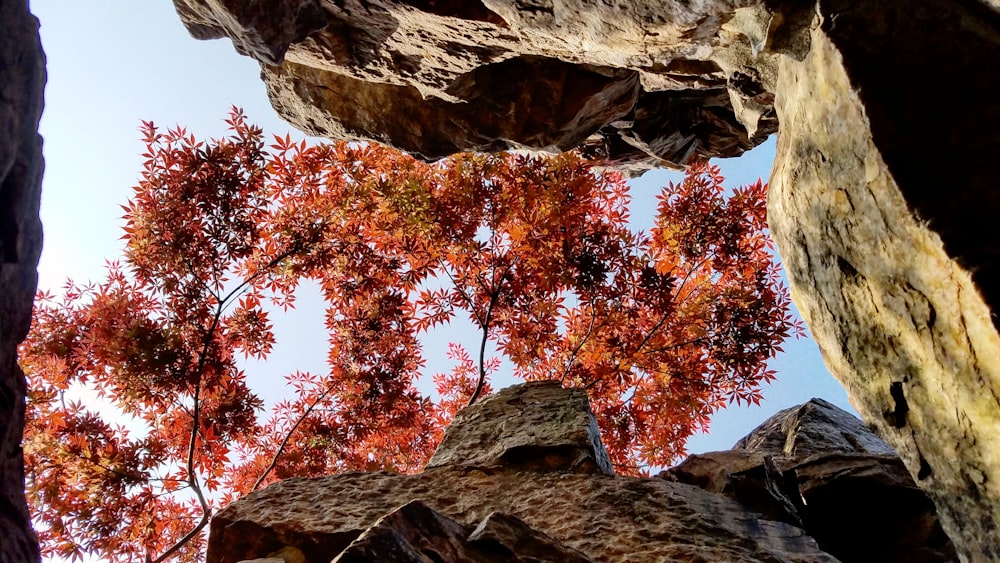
<point x="114" y="62"/>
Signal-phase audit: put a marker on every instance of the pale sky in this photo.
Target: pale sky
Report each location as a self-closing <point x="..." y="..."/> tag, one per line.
<point x="112" y="63"/>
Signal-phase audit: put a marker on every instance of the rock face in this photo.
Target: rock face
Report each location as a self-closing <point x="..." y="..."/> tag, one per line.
<point x="892" y="259"/>
<point x="534" y="427"/>
<point x="457" y="511"/>
<point x="22" y="80"/>
<point x="883" y="192"/>
<point x="818" y="467"/>
<point x="647" y="81"/>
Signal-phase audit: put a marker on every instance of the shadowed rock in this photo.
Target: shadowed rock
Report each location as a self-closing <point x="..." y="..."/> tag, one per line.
<point x="489" y="510"/>
<point x="22" y="79"/>
<point x="817" y="466"/>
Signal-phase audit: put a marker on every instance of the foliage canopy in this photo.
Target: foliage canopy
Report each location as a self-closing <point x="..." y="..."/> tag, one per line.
<point x="661" y="327"/>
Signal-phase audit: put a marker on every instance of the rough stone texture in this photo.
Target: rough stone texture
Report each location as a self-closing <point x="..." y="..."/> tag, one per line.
<point x="816" y="427"/>
<point x="263" y="32"/>
<point x="538" y="426"/>
<point x="607" y="518"/>
<point x="415" y="532"/>
<point x="818" y="467"/>
<point x="883" y="200"/>
<point x="883" y="195"/>
<point x="537" y="514"/>
<point x="22" y="79"/>
<point x="647" y="81"/>
<point x="750" y="478"/>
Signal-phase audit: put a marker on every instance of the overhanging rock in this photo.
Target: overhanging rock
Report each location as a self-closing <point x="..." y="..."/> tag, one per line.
<point x="883" y="197"/>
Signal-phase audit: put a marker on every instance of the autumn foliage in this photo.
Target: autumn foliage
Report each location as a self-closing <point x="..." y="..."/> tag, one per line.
<point x="140" y="419"/>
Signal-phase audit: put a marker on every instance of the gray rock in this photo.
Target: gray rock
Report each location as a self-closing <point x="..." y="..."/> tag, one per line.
<point x="525" y="511"/>
<point x="22" y="79"/>
<point x="537" y="426"/>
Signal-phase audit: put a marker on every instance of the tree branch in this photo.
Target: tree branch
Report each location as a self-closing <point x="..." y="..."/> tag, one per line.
<point x="288" y="435"/>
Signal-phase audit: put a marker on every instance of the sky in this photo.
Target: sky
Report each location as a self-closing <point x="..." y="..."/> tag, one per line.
<point x="112" y="63"/>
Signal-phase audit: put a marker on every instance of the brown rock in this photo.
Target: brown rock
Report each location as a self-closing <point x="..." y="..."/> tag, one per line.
<point x="412" y="532"/>
<point x="537" y="426"/>
<point x="520" y="542"/>
<point x="22" y="80"/>
<point x="819" y="467"/>
<point x="883" y="204"/>
<point x="262" y="30"/>
<point x="525" y="511"/>
<point x="639" y="80"/>
<point x="750" y="478"/>
<point x="415" y="532"/>
<point x="882" y="199"/>
<point x="606" y="518"/>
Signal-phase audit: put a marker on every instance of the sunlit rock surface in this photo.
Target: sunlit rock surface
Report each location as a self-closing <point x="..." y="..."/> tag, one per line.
<point x="538" y="426"/>
<point x="522" y="512"/>
<point x="883" y="203"/>
<point x="22" y="79"/>
<point x="883" y="194"/>
<point x="646" y="82"/>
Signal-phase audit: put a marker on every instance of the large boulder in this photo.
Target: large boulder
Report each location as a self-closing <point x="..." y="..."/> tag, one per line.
<point x="22" y="79"/>
<point x="504" y="510"/>
<point x="818" y="467"/>
<point x="538" y="426"/>
<point x="883" y="192"/>
<point x="646" y="82"/>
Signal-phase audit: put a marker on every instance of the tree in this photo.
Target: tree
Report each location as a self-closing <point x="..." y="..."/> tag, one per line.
<point x="662" y="328"/>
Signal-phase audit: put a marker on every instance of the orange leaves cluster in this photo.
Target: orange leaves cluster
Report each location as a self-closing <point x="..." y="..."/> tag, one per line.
<point x="661" y="328"/>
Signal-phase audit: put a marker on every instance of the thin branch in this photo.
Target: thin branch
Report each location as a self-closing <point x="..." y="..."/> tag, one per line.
<point x="482" y="349"/>
<point x="579" y="346"/>
<point x="494" y="297"/>
<point x="465" y="296"/>
<point x="288" y="435"/>
<point x="187" y="537"/>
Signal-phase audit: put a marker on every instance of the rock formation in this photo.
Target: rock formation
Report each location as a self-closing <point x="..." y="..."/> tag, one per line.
<point x="647" y="81"/>
<point x="531" y="500"/>
<point x="882" y="193"/>
<point x="809" y="473"/>
<point x="22" y="78"/>
<point x="882" y="203"/>
<point x="818" y="467"/>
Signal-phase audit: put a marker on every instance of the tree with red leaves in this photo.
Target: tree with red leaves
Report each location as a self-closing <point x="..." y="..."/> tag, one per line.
<point x="140" y="419"/>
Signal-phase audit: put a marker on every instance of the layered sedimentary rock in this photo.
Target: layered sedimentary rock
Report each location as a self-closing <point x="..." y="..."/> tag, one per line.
<point x="883" y="193"/>
<point x="536" y="505"/>
<point x="22" y="78"/>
